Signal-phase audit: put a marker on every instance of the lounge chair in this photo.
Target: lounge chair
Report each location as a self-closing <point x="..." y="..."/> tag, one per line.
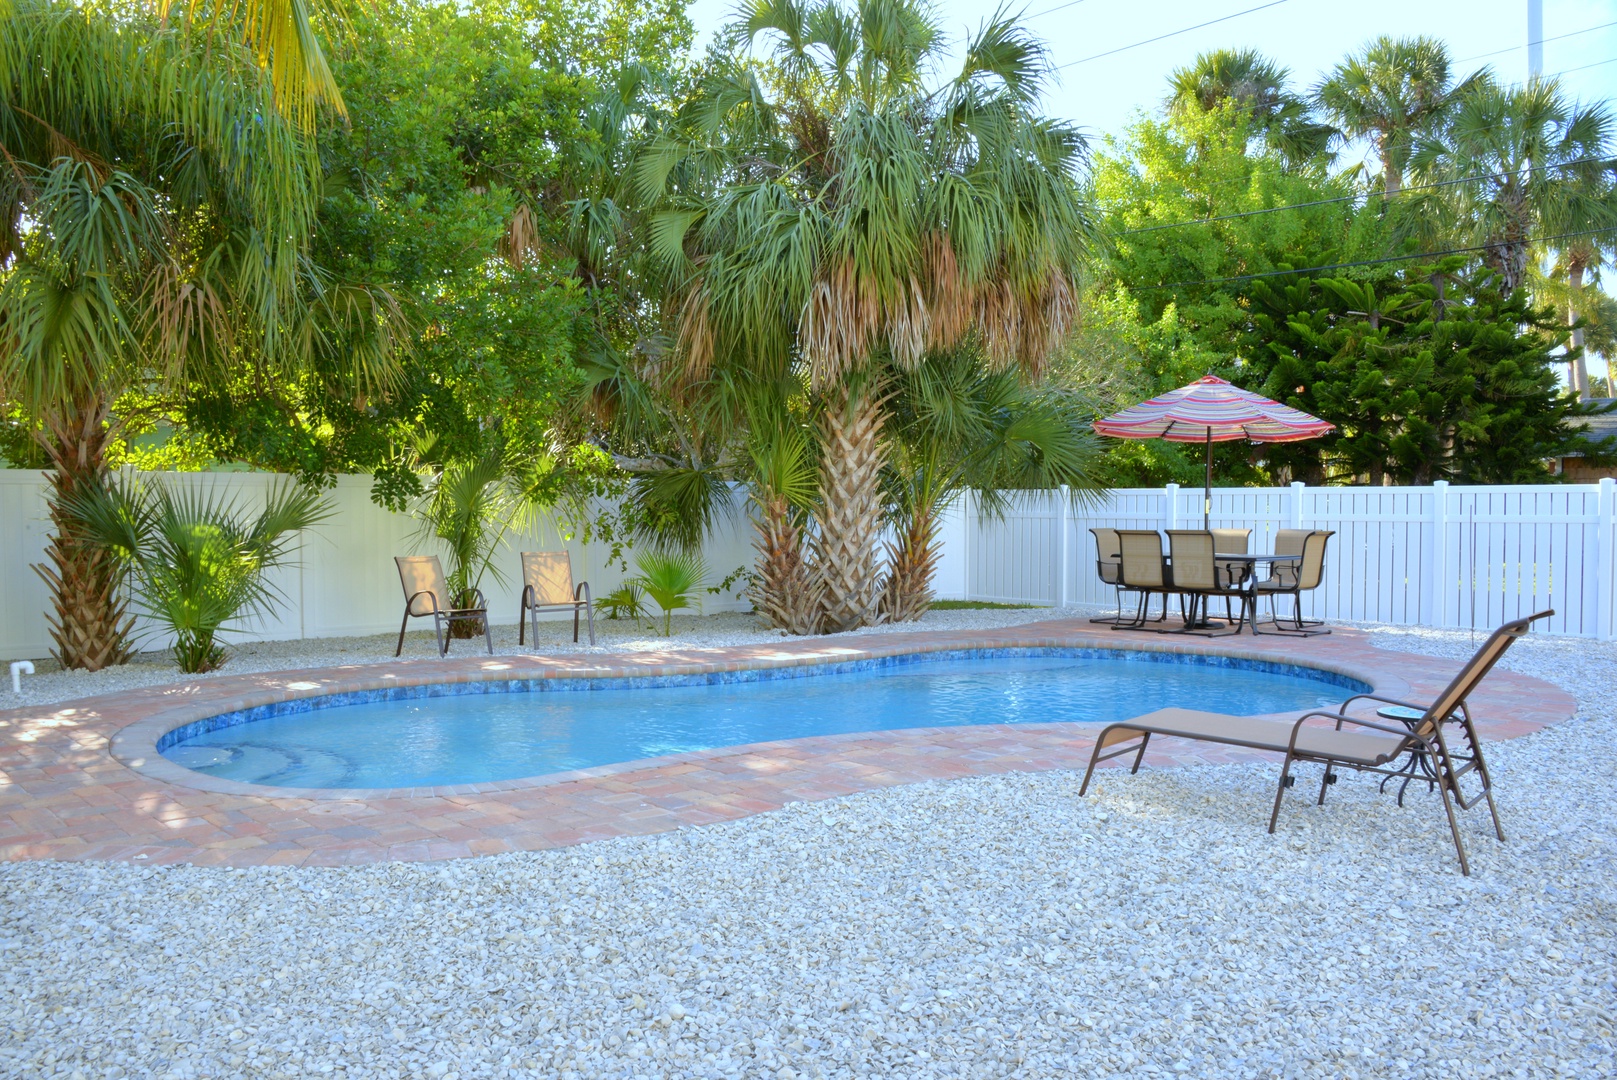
<point x="547" y="584"/>
<point x="1370" y="747"/>
<point x="1294" y="579"/>
<point x="426" y="593"/>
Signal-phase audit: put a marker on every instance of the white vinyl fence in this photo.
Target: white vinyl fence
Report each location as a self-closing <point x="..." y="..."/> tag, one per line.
<point x="343" y="581"/>
<point x="1433" y="556"/>
<point x="1439" y="556"/>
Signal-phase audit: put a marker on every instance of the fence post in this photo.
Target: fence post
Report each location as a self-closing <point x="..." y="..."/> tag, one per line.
<point x="1297" y="488"/>
<point x="1605" y="548"/>
<point x="1062" y="523"/>
<point x="968" y="518"/>
<point x="1172" y="492"/>
<point x="1441" y="574"/>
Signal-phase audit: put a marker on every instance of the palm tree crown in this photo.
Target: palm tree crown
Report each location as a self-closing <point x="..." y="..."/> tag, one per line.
<point x="1394" y="92"/>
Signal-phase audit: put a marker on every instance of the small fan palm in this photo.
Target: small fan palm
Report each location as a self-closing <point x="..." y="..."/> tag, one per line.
<point x="196" y="562"/>
<point x="673" y="580"/>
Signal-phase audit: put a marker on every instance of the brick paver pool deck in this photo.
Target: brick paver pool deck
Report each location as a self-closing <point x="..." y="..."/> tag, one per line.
<point x="81" y="779"/>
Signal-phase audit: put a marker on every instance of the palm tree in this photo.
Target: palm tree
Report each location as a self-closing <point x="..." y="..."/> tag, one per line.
<point x="280" y="36"/>
<point x="1256" y="87"/>
<point x="1540" y="159"/>
<point x="827" y="209"/>
<point x="1394" y="92"/>
<point x="159" y="209"/>
<point x="958" y="426"/>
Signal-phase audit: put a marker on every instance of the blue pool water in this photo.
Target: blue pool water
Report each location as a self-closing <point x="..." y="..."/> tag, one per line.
<point x="476" y="737"/>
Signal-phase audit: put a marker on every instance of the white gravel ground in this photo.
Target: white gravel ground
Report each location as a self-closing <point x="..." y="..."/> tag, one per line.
<point x="985" y="927"/>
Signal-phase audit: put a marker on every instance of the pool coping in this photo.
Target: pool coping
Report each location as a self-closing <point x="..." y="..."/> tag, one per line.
<point x="77" y="780"/>
<point x="139" y="745"/>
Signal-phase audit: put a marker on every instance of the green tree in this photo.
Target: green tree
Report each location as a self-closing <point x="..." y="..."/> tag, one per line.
<point x="159" y="211"/>
<point x="1253" y="86"/>
<point x="1466" y="394"/>
<point x="1394" y="92"/>
<point x="1539" y="158"/>
<point x="825" y="205"/>
<point x="455" y="135"/>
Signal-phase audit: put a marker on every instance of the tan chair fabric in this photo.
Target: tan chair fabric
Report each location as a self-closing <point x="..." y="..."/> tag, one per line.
<point x="1143" y="567"/>
<point x="1108" y="561"/>
<point x="1258" y="734"/>
<point x="1191" y="551"/>
<point x="1231" y="575"/>
<point x="550" y="575"/>
<point x="423" y="574"/>
<point x="1313" y="566"/>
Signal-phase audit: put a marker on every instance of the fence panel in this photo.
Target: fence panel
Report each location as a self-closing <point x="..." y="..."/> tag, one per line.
<point x="1414" y="556"/>
<point x="1428" y="556"/>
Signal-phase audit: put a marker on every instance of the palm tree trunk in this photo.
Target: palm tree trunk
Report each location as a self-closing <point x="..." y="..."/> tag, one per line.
<point x="850" y="513"/>
<point x="1578" y="369"/>
<point x="784" y="593"/>
<point x="90" y="625"/>
<point x="914" y="559"/>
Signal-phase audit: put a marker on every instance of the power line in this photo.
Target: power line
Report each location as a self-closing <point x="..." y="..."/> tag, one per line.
<point x="1361" y="262"/>
<point x="1581" y="67"/>
<point x="1176" y="33"/>
<point x="1540" y="41"/>
<point x="1058" y="7"/>
<point x="1338" y="199"/>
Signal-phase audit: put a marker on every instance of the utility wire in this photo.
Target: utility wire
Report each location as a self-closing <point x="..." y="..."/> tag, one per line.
<point x="1176" y="33"/>
<point x="1361" y="262"/>
<point x="1343" y="199"/>
<point x="1582" y="67"/>
<point x="1518" y="48"/>
<point x="1058" y="7"/>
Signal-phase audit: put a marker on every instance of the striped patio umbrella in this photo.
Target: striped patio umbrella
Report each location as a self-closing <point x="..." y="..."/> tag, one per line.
<point x="1212" y="410"/>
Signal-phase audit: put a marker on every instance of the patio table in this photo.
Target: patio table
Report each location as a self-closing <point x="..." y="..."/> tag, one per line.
<point x="1249" y="597"/>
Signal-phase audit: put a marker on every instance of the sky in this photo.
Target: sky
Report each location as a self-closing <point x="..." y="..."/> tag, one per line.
<point x="1308" y="36"/>
<point x="1103" y="93"/>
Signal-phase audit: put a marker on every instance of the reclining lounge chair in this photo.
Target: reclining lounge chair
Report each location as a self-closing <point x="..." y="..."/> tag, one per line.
<point x="1370" y="747"/>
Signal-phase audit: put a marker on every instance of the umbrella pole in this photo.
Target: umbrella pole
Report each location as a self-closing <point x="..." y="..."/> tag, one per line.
<point x="1207" y="488"/>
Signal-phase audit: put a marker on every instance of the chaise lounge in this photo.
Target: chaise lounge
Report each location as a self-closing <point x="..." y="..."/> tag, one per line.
<point x="1371" y="747"/>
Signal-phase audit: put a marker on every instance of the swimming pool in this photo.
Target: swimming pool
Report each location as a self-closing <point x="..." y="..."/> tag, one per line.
<point x="476" y="733"/>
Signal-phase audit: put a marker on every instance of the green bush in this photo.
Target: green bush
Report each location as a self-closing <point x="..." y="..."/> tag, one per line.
<point x="196" y="562"/>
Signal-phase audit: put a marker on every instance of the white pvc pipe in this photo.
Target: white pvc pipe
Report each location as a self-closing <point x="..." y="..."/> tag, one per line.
<point x="19" y="668"/>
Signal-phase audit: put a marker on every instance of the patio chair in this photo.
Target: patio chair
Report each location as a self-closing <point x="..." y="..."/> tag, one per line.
<point x="1143" y="570"/>
<point x="1294" y="579"/>
<point x="1369" y="750"/>
<point x="427" y="593"/>
<point x="1232" y="575"/>
<point x="1109" y="567"/>
<point x="1196" y="578"/>
<point x="547" y="584"/>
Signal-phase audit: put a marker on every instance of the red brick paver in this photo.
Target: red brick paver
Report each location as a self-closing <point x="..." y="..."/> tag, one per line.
<point x="81" y="780"/>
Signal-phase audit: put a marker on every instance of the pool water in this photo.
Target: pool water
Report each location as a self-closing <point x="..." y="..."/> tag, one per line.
<point x="474" y="738"/>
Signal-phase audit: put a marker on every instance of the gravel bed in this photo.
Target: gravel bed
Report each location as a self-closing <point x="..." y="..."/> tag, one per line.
<point x="53" y="684"/>
<point x="987" y="927"/>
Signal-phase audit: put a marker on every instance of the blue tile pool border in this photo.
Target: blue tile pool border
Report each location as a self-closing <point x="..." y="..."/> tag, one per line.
<point x="576" y="683"/>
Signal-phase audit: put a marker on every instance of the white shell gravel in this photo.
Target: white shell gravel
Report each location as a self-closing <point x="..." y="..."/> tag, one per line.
<point x="986" y="927"/>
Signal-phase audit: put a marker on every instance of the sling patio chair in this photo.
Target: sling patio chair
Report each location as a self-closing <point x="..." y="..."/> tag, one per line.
<point x="1369" y="750"/>
<point x="427" y="593"/>
<point x="1109" y="567"/>
<point x="547" y="583"/>
<point x="1232" y="575"/>
<point x="1143" y="569"/>
<point x="1293" y="579"/>
<point x="1197" y="578"/>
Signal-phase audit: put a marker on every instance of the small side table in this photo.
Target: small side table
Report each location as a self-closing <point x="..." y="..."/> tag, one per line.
<point x="1419" y="765"/>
